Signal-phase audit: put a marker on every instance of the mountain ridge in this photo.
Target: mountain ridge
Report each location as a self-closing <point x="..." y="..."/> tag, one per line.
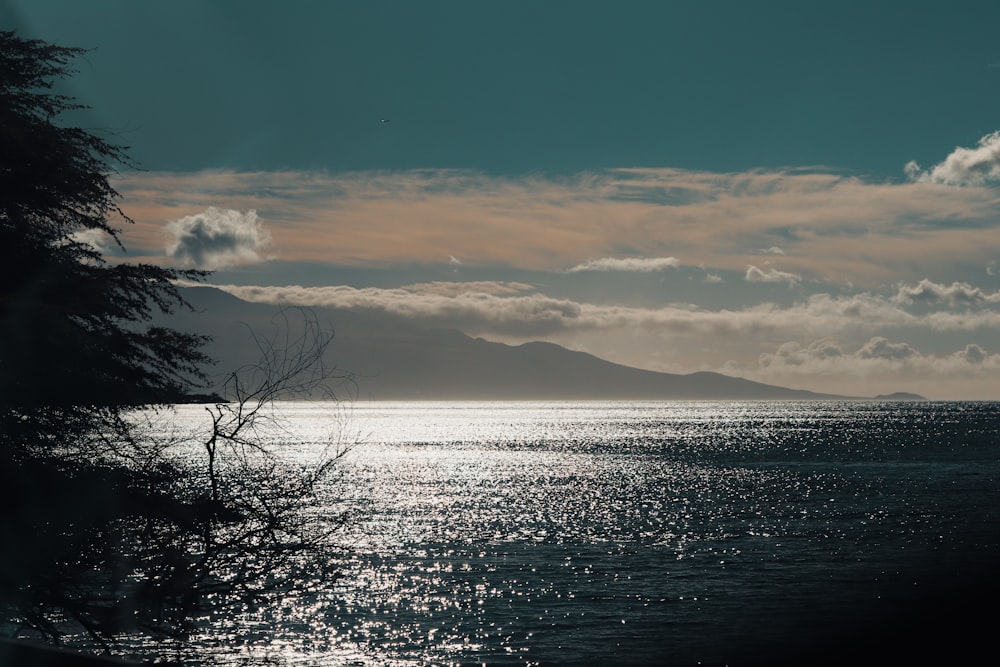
<point x="390" y="358"/>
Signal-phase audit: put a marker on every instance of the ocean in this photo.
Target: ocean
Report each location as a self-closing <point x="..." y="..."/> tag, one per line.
<point x="643" y="533"/>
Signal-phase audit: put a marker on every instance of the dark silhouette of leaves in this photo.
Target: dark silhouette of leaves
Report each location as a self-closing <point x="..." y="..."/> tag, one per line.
<point x="110" y="529"/>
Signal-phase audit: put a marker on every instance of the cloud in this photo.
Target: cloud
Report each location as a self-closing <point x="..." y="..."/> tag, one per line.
<point x="756" y="275"/>
<point x="878" y="366"/>
<point x="956" y="294"/>
<point x="883" y="348"/>
<point x="794" y="354"/>
<point x="964" y="166"/>
<point x="773" y="250"/>
<point x="831" y="227"/>
<point x="629" y="264"/>
<point x="469" y="308"/>
<point x="973" y="354"/>
<point x="217" y="238"/>
<point x="98" y="239"/>
<point x="501" y="309"/>
<point x="633" y="264"/>
<point x="877" y="357"/>
<point x="878" y="353"/>
<point x="446" y="288"/>
<point x="712" y="279"/>
<point x="854" y="337"/>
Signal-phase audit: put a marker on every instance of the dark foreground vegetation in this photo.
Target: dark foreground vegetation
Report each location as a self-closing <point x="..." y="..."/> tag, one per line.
<point x="107" y="530"/>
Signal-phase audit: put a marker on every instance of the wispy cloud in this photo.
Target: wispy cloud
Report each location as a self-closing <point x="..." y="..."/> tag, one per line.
<point x="929" y="292"/>
<point x="757" y="275"/>
<point x="634" y="264"/>
<point x="830" y="227"/>
<point x="216" y="238"/>
<point x="450" y="288"/>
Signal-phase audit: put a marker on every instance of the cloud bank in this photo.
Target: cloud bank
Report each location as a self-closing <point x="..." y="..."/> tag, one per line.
<point x="446" y="288"/>
<point x="879" y="365"/>
<point x="822" y="341"/>
<point x="500" y="309"/>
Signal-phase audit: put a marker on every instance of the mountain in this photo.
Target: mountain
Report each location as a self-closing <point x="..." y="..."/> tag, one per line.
<point x="391" y="359"/>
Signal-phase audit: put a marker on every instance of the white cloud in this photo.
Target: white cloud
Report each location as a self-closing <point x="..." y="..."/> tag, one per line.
<point x="499" y="309"/>
<point x="773" y="250"/>
<point x="98" y="239"/>
<point x="957" y="294"/>
<point x="756" y="275"/>
<point x="878" y="366"/>
<point x="634" y="264"/>
<point x="964" y="321"/>
<point x="435" y="305"/>
<point x="883" y="348"/>
<point x="712" y="279"/>
<point x="446" y="288"/>
<point x="217" y="238"/>
<point x="964" y="166"/>
<point x="794" y="354"/>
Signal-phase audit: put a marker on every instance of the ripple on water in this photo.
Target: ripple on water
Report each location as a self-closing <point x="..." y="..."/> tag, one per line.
<point x="590" y="532"/>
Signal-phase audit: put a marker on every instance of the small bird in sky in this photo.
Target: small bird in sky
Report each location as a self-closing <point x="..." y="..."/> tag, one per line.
<point x="384" y="121"/>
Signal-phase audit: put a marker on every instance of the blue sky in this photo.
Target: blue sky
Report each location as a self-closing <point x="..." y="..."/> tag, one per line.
<point x="799" y="193"/>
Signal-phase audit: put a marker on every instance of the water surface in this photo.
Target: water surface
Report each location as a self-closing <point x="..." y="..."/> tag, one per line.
<point x="644" y="533"/>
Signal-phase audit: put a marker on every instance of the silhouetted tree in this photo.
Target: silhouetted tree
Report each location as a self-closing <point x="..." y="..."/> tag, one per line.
<point x="70" y="324"/>
<point x="105" y="526"/>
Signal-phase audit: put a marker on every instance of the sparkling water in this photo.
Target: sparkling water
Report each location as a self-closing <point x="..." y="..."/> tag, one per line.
<point x="643" y="533"/>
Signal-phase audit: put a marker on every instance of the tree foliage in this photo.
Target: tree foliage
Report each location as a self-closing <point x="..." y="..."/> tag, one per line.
<point x="71" y="324"/>
<point x="108" y="527"/>
<point x="156" y="532"/>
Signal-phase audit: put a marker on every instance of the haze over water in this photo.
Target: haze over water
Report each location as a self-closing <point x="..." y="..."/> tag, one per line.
<point x="652" y="533"/>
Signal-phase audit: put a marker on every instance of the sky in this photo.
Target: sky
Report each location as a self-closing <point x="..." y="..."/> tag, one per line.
<point x="803" y="194"/>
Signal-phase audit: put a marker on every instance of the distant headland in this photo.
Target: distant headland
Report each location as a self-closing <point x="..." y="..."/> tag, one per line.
<point x="900" y="396"/>
<point x="389" y="358"/>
